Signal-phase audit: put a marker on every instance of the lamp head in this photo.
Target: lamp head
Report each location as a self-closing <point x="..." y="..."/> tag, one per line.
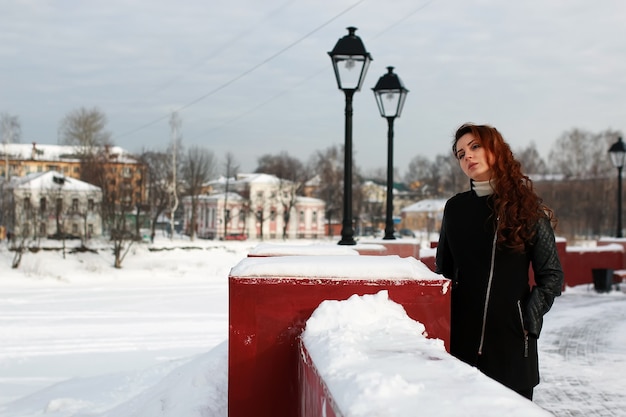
<point x="350" y="61"/>
<point x="617" y="152"/>
<point x="390" y="94"/>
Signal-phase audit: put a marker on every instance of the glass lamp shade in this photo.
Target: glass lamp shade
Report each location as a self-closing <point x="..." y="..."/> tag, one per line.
<point x="390" y="94"/>
<point x="617" y="152"/>
<point x="350" y="61"/>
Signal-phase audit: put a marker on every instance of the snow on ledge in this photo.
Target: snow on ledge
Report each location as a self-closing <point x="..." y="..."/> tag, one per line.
<point x="391" y="267"/>
<point x="275" y="249"/>
<point x="375" y="361"/>
<point x="611" y="247"/>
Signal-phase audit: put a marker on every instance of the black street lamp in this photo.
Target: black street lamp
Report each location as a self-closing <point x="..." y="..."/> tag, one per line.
<point x="350" y="62"/>
<point x="390" y="94"/>
<point x="617" y="151"/>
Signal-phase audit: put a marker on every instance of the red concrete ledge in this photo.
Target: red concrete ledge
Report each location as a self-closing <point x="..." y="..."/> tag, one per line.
<point x="579" y="262"/>
<point x="270" y="299"/>
<point x="612" y="241"/>
<point x="315" y="397"/>
<point x="403" y="247"/>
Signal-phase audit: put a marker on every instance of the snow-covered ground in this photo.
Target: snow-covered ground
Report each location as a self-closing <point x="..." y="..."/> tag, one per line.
<point x="80" y="338"/>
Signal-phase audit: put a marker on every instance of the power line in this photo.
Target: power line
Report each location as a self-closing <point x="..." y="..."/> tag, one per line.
<point x="313" y="75"/>
<point x="264" y="103"/>
<point x="243" y="74"/>
<point x="226" y="44"/>
<point x="407" y="16"/>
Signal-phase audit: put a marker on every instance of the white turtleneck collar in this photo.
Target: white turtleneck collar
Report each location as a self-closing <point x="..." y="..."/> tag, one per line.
<point x="482" y="188"/>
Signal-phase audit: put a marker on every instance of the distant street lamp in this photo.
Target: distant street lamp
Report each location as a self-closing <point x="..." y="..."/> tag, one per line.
<point x="350" y="62"/>
<point x="390" y="94"/>
<point x="617" y="151"/>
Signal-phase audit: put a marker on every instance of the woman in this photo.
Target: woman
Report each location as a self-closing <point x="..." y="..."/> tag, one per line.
<point x="489" y="237"/>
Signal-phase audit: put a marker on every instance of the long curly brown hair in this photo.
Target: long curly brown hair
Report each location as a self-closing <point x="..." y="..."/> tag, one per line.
<point x="515" y="203"/>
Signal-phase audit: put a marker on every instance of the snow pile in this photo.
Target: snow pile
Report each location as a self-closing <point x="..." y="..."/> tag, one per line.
<point x="376" y="361"/>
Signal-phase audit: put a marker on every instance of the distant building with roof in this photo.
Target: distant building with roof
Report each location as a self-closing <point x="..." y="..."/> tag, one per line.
<point x="254" y="207"/>
<point x="49" y="203"/>
<point x="425" y="215"/>
<point x="125" y="175"/>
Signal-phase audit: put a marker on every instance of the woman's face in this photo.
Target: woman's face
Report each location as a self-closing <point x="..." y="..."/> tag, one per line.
<point x="474" y="159"/>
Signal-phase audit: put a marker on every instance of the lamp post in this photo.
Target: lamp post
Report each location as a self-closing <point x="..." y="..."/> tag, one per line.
<point x="617" y="151"/>
<point x="350" y="63"/>
<point x="390" y="94"/>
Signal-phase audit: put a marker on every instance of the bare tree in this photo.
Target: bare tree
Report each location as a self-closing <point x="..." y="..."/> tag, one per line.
<point x="230" y="170"/>
<point x="328" y="168"/>
<point x="85" y="210"/>
<point x="57" y="209"/>
<point x="257" y="204"/>
<point x="532" y="162"/>
<point x="450" y="179"/>
<point x="378" y="174"/>
<point x="291" y="174"/>
<point x="175" y="150"/>
<point x="421" y="175"/>
<point x="85" y="129"/>
<point x="51" y="206"/>
<point x="585" y="178"/>
<point x="22" y="219"/>
<point x="23" y="227"/>
<point x="158" y="166"/>
<point x="581" y="154"/>
<point x="373" y="206"/>
<point x="197" y="169"/>
<point x="122" y="200"/>
<point x="11" y="133"/>
<point x="121" y="236"/>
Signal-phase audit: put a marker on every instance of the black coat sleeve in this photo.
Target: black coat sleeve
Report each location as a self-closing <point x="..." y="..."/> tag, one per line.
<point x="548" y="277"/>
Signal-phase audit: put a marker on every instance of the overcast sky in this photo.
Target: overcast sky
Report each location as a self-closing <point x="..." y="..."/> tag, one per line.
<point x="253" y="77"/>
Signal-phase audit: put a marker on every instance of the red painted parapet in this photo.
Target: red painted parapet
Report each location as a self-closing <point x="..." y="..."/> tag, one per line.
<point x="270" y="299"/>
<point x="427" y="256"/>
<point x="614" y="241"/>
<point x="315" y="397"/>
<point x="401" y="247"/>
<point x="580" y="261"/>
<point x="371" y="249"/>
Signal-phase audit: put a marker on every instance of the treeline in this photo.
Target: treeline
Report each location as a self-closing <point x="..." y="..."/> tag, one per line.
<point x="577" y="180"/>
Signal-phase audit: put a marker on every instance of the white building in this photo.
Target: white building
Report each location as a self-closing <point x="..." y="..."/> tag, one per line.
<point x="211" y="216"/>
<point x="255" y="207"/>
<point x="424" y="216"/>
<point x="47" y="203"/>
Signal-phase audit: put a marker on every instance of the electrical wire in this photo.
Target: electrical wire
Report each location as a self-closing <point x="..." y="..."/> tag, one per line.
<point x="305" y="80"/>
<point x="227" y="44"/>
<point x="245" y="73"/>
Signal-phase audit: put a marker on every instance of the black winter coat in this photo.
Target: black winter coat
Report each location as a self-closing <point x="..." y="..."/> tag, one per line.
<point x="488" y="317"/>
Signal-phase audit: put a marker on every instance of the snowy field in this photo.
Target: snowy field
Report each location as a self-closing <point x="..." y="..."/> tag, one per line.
<point x="82" y="339"/>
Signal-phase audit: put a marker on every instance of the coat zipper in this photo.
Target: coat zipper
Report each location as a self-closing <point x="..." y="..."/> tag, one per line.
<point x="521" y="319"/>
<point x="491" y="268"/>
